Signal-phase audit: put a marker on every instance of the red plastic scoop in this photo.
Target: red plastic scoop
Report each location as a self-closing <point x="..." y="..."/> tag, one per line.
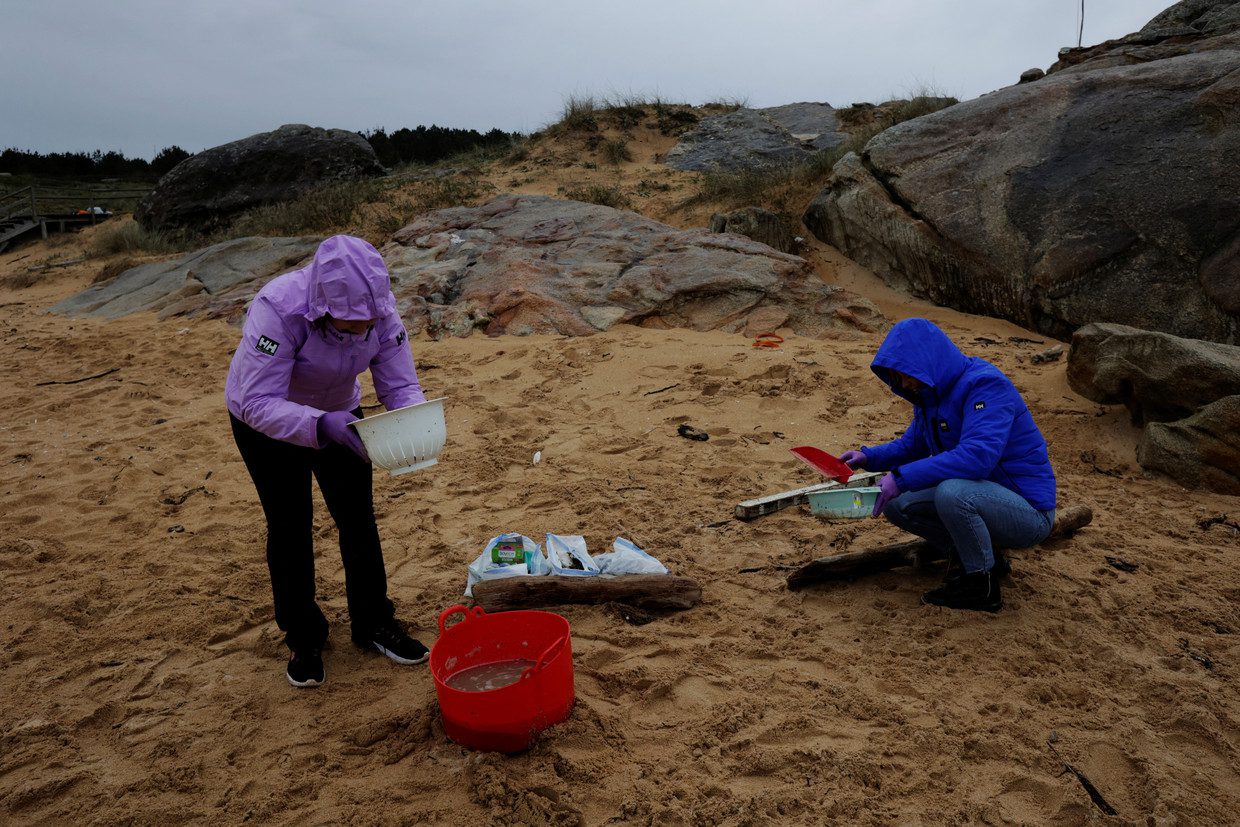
<point x="823" y="462"/>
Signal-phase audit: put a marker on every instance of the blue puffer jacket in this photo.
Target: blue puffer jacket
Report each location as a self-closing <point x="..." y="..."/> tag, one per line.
<point x="969" y="421"/>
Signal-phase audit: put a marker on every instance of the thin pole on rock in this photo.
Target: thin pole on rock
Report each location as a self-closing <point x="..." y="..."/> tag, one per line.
<point x="1080" y="32"/>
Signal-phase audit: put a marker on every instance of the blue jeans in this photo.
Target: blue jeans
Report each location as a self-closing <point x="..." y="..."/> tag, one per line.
<point x="973" y="517"/>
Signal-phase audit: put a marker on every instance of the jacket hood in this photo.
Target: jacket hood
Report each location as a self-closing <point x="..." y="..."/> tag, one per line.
<point x="349" y="281"/>
<point x="918" y="348"/>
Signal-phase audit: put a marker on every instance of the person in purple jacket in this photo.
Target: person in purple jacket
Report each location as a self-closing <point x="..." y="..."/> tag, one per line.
<point x="971" y="473"/>
<point x="292" y="392"/>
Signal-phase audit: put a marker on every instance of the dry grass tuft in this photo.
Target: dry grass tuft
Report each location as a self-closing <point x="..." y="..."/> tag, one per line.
<point x="124" y="235"/>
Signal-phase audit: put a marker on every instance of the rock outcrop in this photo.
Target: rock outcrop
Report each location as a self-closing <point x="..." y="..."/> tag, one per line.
<point x="216" y="280"/>
<point x="1158" y="377"/>
<point x="533" y="264"/>
<point x="528" y="264"/>
<point x="209" y="189"/>
<point x="1185" y="392"/>
<point x="1187" y="27"/>
<point x="1202" y="451"/>
<point x="755" y="138"/>
<point x="1104" y="193"/>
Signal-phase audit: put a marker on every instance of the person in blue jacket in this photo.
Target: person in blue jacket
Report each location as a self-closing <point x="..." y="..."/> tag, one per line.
<point x="971" y="472"/>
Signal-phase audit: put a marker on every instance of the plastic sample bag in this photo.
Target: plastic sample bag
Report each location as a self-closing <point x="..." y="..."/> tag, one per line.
<point x="626" y="558"/>
<point x="508" y="555"/>
<point x="567" y="555"/>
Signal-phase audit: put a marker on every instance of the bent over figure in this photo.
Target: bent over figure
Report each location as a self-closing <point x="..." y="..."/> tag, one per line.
<point x="292" y="391"/>
<point x="970" y="473"/>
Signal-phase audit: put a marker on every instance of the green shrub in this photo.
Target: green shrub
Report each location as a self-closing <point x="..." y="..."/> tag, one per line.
<point x="647" y="187"/>
<point x="673" y="119"/>
<point x="616" y="151"/>
<point x="628" y="100"/>
<point x="519" y="152"/>
<point x="743" y="186"/>
<point x="446" y="191"/>
<point x="626" y="117"/>
<point x="320" y="209"/>
<point x="863" y="121"/>
<point x="777" y="188"/>
<point x="726" y="104"/>
<point x="399" y="207"/>
<point x="599" y="194"/>
<point x="578" y="114"/>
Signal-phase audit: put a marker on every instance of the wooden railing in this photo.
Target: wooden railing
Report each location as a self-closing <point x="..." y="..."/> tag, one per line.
<point x="46" y="201"/>
<point x="18" y="203"/>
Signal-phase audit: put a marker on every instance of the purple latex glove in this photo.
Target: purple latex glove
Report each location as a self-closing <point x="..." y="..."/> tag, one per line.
<point x="333" y="426"/>
<point x="888" y="491"/>
<point x="853" y="459"/>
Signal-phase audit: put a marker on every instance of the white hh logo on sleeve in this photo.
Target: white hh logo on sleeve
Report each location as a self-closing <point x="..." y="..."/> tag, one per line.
<point x="977" y="406"/>
<point x="268" y="346"/>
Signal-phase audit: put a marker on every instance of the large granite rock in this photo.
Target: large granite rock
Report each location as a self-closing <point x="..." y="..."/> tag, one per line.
<point x="1202" y="451"/>
<point x="1190" y="26"/>
<point x="209" y="189"/>
<point x="754" y="138"/>
<point x="1100" y="194"/>
<point x="533" y="264"/>
<point x="217" y="280"/>
<point x="1157" y="376"/>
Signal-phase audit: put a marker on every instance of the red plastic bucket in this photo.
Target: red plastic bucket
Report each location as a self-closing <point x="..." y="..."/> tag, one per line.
<point x="507" y="718"/>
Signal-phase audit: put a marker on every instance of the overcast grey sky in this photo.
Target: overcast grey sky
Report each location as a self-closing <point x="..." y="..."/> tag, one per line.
<point x="139" y="75"/>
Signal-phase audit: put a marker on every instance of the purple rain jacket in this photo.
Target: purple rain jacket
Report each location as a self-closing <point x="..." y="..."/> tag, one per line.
<point x="287" y="372"/>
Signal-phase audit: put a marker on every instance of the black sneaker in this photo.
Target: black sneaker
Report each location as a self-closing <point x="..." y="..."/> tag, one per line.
<point x="305" y="668"/>
<point x="390" y="639"/>
<point x="977" y="592"/>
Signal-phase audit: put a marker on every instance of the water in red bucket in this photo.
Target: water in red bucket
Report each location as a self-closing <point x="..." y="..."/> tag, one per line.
<point x="502" y="678"/>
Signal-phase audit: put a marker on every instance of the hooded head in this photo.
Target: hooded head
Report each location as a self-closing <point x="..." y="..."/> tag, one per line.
<point x="349" y="281"/>
<point x="917" y="348"/>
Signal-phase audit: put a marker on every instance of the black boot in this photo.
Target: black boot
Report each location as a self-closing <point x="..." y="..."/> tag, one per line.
<point x="978" y="592"/>
<point x="1002" y="567"/>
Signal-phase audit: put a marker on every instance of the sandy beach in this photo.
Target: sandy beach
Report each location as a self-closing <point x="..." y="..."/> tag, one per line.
<point x="143" y="674"/>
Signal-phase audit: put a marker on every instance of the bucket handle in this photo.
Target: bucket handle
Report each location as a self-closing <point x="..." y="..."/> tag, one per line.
<point x="547" y="656"/>
<point x="476" y="611"/>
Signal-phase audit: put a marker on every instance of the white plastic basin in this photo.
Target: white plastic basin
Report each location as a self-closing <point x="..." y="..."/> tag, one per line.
<point x="405" y="439"/>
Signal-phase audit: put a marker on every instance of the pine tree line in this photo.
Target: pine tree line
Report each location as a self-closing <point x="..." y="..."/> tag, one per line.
<point x="88" y="166"/>
<point x="428" y="144"/>
<point x="423" y="145"/>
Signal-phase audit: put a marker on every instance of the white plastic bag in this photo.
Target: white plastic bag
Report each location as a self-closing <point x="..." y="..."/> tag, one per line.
<point x="567" y="555"/>
<point x="626" y="558"/>
<point x="500" y="559"/>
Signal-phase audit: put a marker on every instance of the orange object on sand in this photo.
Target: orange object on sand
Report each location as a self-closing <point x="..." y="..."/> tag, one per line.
<point x="823" y="462"/>
<point x="767" y="340"/>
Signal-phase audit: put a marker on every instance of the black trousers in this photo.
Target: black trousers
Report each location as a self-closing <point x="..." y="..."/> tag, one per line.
<point x="281" y="472"/>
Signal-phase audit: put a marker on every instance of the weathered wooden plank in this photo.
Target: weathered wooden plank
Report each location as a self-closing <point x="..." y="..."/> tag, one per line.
<point x="645" y="591"/>
<point x="871" y="561"/>
<point x="761" y="506"/>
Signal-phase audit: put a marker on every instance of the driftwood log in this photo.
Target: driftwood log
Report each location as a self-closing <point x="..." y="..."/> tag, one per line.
<point x="660" y="592"/>
<point x="884" y="558"/>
